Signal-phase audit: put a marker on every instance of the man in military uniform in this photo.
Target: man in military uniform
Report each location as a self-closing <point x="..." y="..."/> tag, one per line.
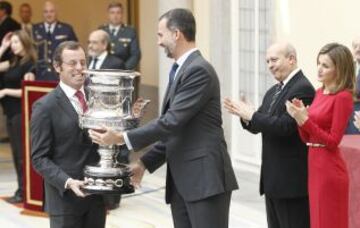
<point x="124" y="42"/>
<point x="47" y="36"/>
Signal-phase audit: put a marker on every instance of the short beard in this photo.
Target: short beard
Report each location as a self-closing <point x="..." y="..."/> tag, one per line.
<point x="168" y="52"/>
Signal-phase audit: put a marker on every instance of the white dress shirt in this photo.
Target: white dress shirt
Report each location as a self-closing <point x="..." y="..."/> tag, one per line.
<point x="100" y="60"/>
<point x="50" y="27"/>
<point x="70" y="93"/>
<point x="115" y="29"/>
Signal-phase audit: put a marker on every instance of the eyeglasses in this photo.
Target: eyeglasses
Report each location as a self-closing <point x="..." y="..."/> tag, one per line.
<point x="73" y="63"/>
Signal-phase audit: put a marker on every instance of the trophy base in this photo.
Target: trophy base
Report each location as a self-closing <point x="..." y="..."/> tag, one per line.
<point x="89" y="190"/>
<point x="114" y="180"/>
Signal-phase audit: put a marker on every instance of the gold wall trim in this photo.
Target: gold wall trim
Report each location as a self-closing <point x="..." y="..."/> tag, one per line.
<point x="27" y="89"/>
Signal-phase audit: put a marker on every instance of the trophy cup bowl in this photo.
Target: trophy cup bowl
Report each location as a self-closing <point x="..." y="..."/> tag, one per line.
<point x="110" y="103"/>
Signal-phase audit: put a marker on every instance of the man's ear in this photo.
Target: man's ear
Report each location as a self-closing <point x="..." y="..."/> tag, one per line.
<point x="177" y="34"/>
<point x="57" y="67"/>
<point x="292" y="59"/>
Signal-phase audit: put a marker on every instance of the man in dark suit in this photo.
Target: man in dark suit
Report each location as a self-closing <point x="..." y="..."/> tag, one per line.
<point x="100" y="58"/>
<point x="188" y="134"/>
<point x="60" y="149"/>
<point x="124" y="41"/>
<point x="283" y="177"/>
<point x="47" y="36"/>
<point x="7" y="24"/>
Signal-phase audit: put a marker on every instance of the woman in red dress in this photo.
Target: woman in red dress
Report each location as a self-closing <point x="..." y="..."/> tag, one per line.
<point x="322" y="126"/>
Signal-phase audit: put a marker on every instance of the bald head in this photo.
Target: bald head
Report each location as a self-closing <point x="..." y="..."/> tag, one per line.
<point x="49" y="12"/>
<point x="281" y="60"/>
<point x="284" y="48"/>
<point x="98" y="43"/>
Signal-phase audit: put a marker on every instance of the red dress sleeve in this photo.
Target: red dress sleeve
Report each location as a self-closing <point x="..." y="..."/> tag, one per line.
<point x="343" y="106"/>
<point x="303" y="135"/>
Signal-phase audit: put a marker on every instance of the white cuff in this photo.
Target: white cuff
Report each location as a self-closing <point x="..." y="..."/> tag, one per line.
<point x="127" y="141"/>
<point x="66" y="183"/>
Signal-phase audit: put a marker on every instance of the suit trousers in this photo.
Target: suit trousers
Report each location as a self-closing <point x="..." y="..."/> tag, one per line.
<point x="287" y="213"/>
<point x="14" y="131"/>
<point x="95" y="217"/>
<point x="212" y="212"/>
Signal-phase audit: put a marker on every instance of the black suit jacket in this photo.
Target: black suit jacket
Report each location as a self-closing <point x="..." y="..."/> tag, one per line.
<point x="111" y="62"/>
<point x="60" y="150"/>
<point x="284" y="155"/>
<point x="189" y="134"/>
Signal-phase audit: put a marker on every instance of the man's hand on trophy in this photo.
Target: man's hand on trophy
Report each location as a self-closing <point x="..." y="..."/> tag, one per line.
<point x="139" y="106"/>
<point x="137" y="170"/>
<point x="106" y="136"/>
<point x="75" y="186"/>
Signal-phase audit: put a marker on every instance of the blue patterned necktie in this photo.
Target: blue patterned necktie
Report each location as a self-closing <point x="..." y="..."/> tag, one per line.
<point x="172" y="73"/>
<point x="276" y="95"/>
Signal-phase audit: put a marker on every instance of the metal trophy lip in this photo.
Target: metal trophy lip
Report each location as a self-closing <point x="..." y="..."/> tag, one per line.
<point x="110" y="74"/>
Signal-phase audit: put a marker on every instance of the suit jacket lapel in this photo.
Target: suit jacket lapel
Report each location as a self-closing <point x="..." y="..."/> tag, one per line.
<point x="66" y="105"/>
<point x="170" y="92"/>
<point x="285" y="90"/>
<point x="105" y="62"/>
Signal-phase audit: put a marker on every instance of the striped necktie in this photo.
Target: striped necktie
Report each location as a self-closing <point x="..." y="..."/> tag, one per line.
<point x="275" y="95"/>
<point x="80" y="96"/>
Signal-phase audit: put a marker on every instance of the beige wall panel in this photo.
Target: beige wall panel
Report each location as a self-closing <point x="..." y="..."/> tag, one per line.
<point x="202" y="16"/>
<point x="309" y="25"/>
<point x="148" y="21"/>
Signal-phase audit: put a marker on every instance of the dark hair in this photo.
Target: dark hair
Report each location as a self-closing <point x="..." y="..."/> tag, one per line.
<point x="6" y="6"/>
<point x="29" y="49"/>
<point x="183" y="20"/>
<point x="67" y="45"/>
<point x="25" y="5"/>
<point x="115" y="5"/>
<point x="343" y="60"/>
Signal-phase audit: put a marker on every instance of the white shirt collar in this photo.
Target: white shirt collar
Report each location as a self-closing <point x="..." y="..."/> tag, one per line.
<point x="69" y="91"/>
<point x="102" y="56"/>
<point x="116" y="27"/>
<point x="183" y="58"/>
<point x="51" y="26"/>
<point x="291" y="75"/>
<point x="99" y="62"/>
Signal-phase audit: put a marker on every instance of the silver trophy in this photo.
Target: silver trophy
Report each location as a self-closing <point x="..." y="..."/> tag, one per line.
<point x="110" y="103"/>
